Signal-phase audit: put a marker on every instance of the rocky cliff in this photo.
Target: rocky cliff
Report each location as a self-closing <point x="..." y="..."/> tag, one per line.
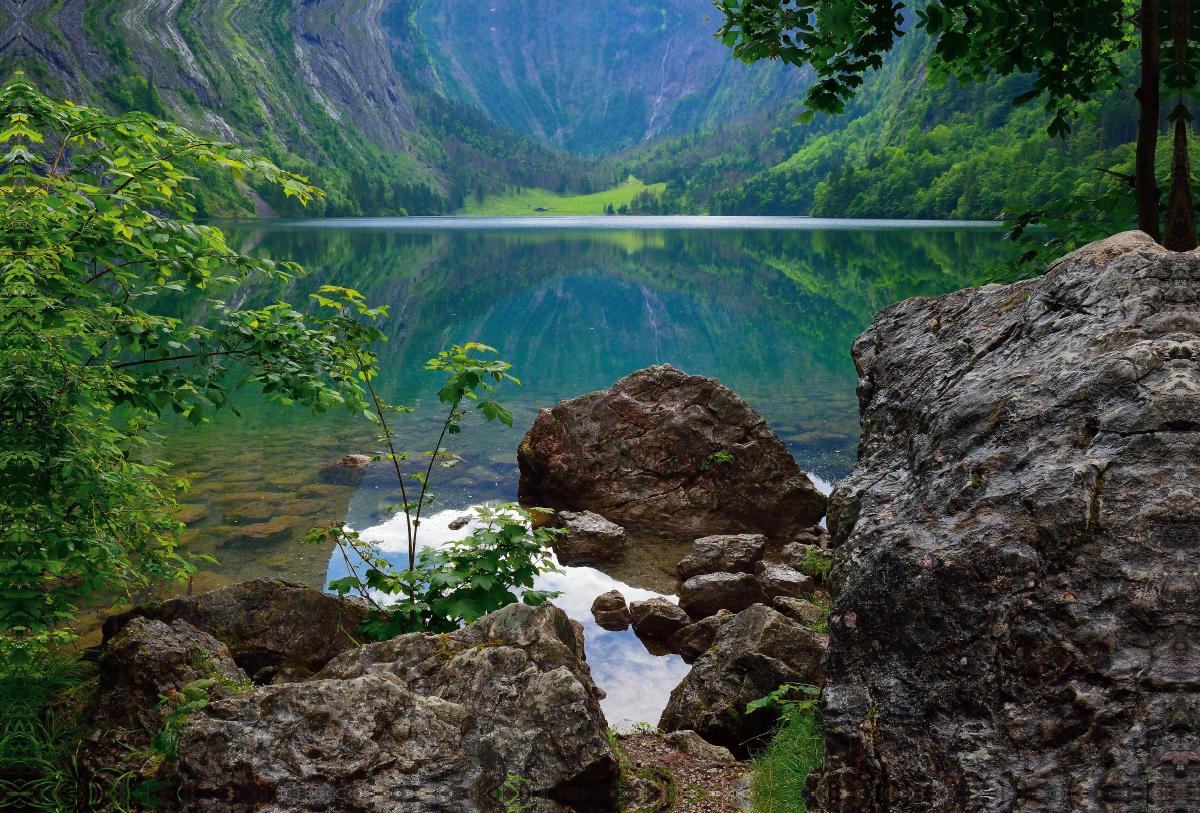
<point x="248" y="66"/>
<point x="1016" y="600"/>
<point x="595" y="77"/>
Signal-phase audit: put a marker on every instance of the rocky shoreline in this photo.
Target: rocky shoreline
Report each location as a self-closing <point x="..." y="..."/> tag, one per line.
<point x="1010" y="567"/>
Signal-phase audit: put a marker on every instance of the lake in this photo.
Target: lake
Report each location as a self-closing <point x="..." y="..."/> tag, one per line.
<point x="769" y="306"/>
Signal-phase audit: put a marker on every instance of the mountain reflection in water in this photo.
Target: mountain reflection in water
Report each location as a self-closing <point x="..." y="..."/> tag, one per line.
<point x="770" y="311"/>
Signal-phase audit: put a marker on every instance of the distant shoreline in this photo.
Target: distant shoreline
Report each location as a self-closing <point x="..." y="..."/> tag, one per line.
<point x="611" y="223"/>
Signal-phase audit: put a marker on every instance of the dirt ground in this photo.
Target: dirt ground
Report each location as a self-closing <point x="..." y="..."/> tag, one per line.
<point x="685" y="785"/>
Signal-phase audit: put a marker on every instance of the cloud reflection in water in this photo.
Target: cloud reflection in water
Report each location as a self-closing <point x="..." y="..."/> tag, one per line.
<point x="638" y="684"/>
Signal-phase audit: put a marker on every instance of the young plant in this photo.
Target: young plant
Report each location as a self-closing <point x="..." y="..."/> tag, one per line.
<point x="444" y="588"/>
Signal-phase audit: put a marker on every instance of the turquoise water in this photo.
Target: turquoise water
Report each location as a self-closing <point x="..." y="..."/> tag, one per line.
<point x="770" y="306"/>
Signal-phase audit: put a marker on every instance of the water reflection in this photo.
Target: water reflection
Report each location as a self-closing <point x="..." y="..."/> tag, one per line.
<point x="771" y="311"/>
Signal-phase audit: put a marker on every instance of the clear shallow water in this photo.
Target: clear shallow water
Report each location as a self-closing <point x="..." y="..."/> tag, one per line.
<point x="770" y="306"/>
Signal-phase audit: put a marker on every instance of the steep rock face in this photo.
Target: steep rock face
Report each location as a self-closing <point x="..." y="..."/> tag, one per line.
<point x="682" y="455"/>
<point x="1016" y="603"/>
<point x="419" y="723"/>
<point x="265" y="62"/>
<point x="595" y="77"/>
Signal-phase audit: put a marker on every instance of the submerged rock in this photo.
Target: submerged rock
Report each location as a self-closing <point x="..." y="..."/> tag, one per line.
<point x="731" y="553"/>
<point x="422" y="722"/>
<point x="702" y="596"/>
<point x="588" y="537"/>
<point x="266" y="623"/>
<point x="610" y="611"/>
<point x="1015" y="593"/>
<point x="350" y="470"/>
<point x="664" y="451"/>
<point x="753" y="654"/>
<point x="657" y="618"/>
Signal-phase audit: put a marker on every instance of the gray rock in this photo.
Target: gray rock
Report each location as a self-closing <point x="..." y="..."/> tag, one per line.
<point x="266" y="623"/>
<point x="350" y="470"/>
<point x="798" y="609"/>
<point x="695" y="639"/>
<point x="610" y="611"/>
<point x="702" y="596"/>
<point x="754" y="654"/>
<point x="816" y="535"/>
<point x="580" y="640"/>
<point x="731" y="553"/>
<point x="645" y="454"/>
<point x="149" y="660"/>
<point x="588" y="537"/>
<point x="796" y="554"/>
<point x="422" y="722"/>
<point x="657" y="618"/>
<point x="691" y="744"/>
<point x="781" y="580"/>
<point x="1015" y="591"/>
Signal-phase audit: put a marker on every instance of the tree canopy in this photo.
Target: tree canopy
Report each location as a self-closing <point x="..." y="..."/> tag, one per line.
<point x="94" y="230"/>
<point x="1069" y="47"/>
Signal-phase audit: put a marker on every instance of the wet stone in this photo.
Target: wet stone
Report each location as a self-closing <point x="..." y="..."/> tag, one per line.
<point x="610" y="611"/>
<point x="588" y="537"/>
<point x="657" y="618"/>
<point x="348" y="471"/>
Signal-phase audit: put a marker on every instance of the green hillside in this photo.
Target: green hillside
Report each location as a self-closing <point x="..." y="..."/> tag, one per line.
<point x="542" y="202"/>
<point x="902" y="150"/>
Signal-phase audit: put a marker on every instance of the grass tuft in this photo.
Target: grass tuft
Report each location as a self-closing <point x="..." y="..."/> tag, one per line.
<point x="780" y="770"/>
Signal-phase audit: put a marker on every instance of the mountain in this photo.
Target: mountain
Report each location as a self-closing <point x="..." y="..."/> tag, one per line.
<point x="386" y="104"/>
<point x="311" y="83"/>
<point x="417" y="106"/>
<point x="592" y="78"/>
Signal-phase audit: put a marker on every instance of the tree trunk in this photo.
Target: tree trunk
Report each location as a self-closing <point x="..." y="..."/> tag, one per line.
<point x="1181" y="210"/>
<point x="1145" y="186"/>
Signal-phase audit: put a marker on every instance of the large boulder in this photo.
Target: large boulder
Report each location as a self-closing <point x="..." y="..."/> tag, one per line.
<point x="754" y="654"/>
<point x="268" y="624"/>
<point x="588" y="537"/>
<point x="730" y="553"/>
<point x="1015" y="593"/>
<point x="680" y="455"/>
<point x="702" y="596"/>
<point x="658" y="618"/>
<point x="422" y="722"/>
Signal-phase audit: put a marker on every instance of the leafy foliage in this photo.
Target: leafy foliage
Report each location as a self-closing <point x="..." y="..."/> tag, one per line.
<point x="444" y="588"/>
<point x="1070" y="48"/>
<point x="37" y="769"/>
<point x="86" y="364"/>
